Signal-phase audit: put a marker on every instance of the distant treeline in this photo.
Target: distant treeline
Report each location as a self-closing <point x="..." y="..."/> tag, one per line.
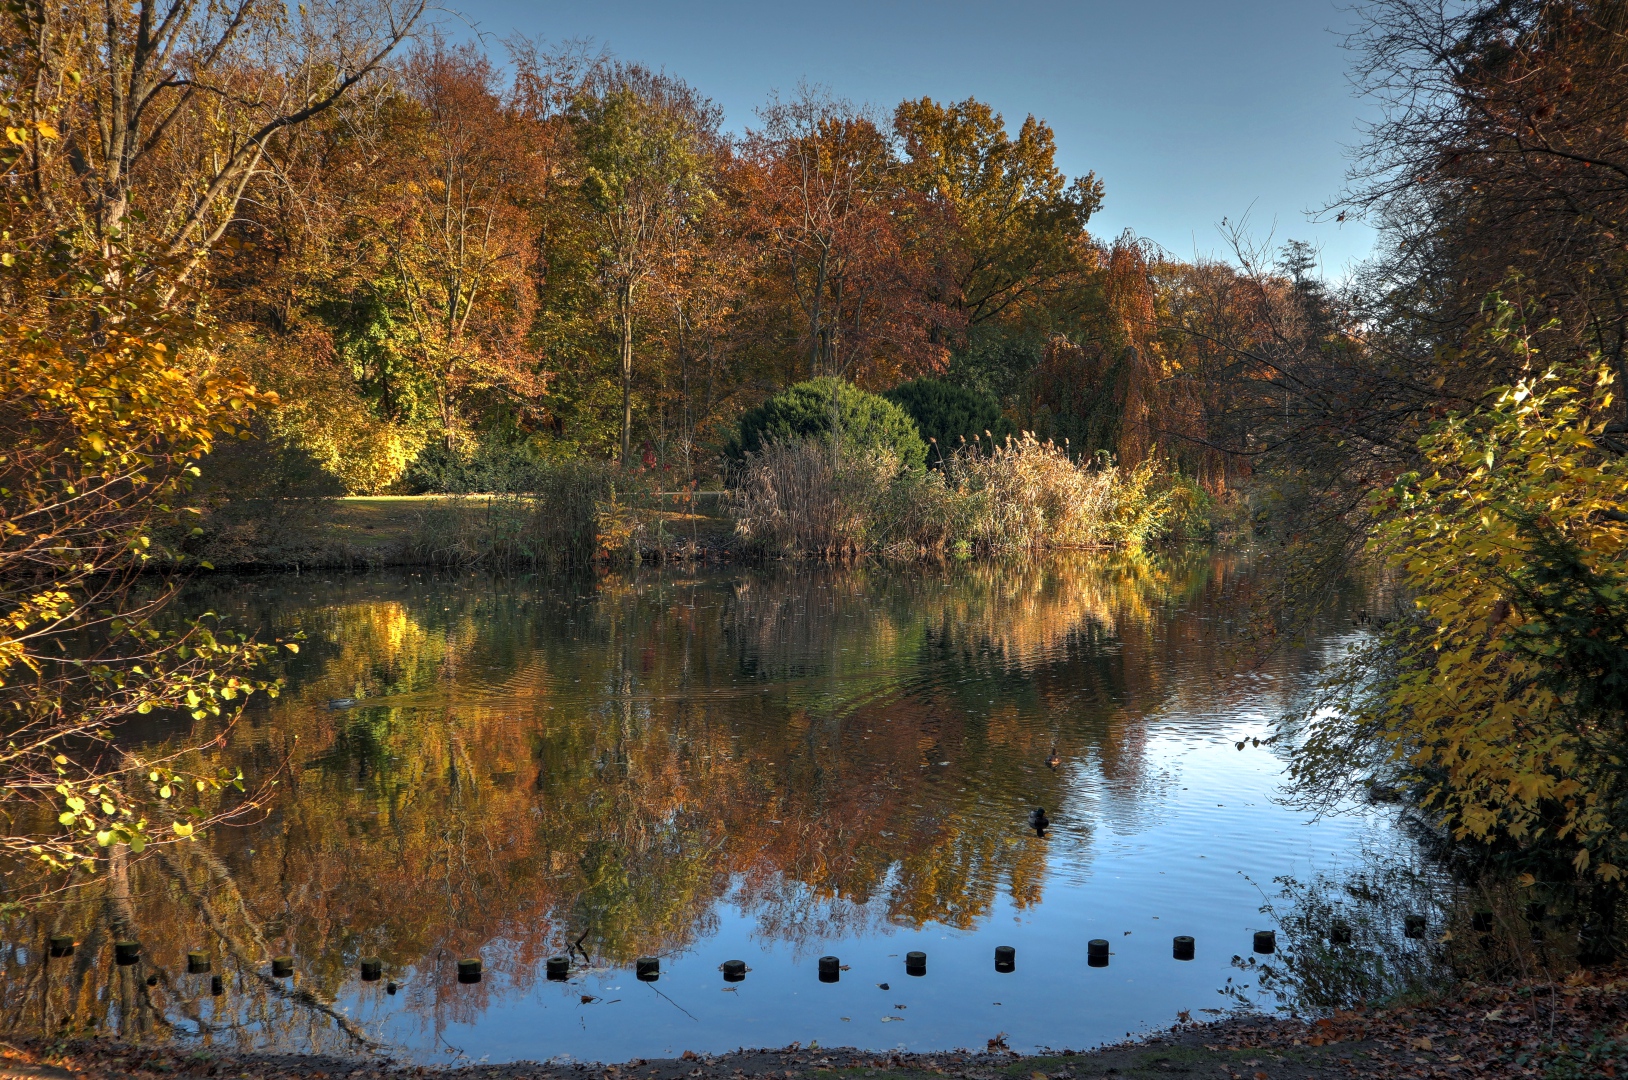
<point x="573" y="260"/>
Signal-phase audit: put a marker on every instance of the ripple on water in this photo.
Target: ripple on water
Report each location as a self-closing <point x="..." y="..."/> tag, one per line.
<point x="743" y="764"/>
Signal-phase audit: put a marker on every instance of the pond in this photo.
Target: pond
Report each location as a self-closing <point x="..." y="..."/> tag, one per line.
<point x="762" y="765"/>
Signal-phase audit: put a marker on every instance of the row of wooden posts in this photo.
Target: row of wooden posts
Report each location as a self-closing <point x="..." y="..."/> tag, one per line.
<point x="648" y="968"/>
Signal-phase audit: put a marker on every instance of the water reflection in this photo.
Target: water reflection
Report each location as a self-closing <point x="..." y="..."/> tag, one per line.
<point x="659" y="765"/>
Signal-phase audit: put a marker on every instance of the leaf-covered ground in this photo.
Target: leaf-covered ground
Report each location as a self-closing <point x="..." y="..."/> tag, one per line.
<point x="1553" y="1031"/>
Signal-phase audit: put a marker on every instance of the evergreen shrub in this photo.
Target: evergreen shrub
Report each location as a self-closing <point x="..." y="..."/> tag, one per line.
<point x="948" y="413"/>
<point x="867" y="423"/>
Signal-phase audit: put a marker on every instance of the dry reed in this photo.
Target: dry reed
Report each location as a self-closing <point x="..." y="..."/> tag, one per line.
<point x="801" y="497"/>
<point x="575" y="512"/>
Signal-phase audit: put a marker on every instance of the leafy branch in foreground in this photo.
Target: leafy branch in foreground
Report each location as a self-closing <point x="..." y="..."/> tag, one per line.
<point x="1502" y="701"/>
<point x="102" y="432"/>
<point x="107" y="401"/>
<point x="131" y="136"/>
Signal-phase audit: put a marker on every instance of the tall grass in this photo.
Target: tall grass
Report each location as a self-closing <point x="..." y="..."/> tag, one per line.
<point x="802" y="496"/>
<point x="799" y="497"/>
<point x="1027" y="494"/>
<point x="572" y="513"/>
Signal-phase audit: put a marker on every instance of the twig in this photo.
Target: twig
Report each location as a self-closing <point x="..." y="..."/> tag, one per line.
<point x="673" y="1003"/>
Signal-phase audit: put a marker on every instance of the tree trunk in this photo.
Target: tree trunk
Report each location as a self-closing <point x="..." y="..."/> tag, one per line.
<point x="625" y="303"/>
<point x="815" y="318"/>
<point x="443" y="405"/>
<point x="686" y="427"/>
<point x="1597" y="940"/>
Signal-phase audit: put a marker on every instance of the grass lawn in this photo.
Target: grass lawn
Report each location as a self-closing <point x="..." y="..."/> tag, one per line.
<point x="379" y="524"/>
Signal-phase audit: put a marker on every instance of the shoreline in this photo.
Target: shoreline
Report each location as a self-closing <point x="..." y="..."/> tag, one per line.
<point x="1155" y="1054"/>
<point x="452" y="531"/>
<point x="1575" y="1027"/>
<point x="460" y="532"/>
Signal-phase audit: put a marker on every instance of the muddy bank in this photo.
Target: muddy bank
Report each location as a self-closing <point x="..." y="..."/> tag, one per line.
<point x="1553" y="1030"/>
<point x="1185" y="1051"/>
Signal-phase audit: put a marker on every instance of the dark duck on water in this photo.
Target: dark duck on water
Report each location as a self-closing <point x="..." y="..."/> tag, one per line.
<point x="1038" y="821"/>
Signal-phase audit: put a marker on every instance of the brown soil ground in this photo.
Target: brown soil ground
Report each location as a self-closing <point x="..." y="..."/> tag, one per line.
<point x="1557" y="1031"/>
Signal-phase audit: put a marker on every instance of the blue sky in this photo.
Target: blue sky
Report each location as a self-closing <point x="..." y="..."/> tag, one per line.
<point x="1189" y="111"/>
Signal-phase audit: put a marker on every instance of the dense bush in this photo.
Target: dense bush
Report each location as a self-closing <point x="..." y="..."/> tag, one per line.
<point x="945" y="413"/>
<point x="1192" y="514"/>
<point x="1499" y="701"/>
<point x="1027" y="493"/>
<point x="494" y="466"/>
<point x="866" y="423"/>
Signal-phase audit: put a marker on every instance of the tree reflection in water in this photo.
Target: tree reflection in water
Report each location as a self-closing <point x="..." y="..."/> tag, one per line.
<point x="606" y="764"/>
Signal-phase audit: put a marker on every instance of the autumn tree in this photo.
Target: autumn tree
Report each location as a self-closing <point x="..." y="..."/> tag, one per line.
<point x="1501" y="148"/>
<point x="1314" y="394"/>
<point x="132" y="137"/>
<point x="169" y="110"/>
<point x="1500" y="700"/>
<point x="454" y="241"/>
<point x="390" y="284"/>
<point x="830" y="206"/>
<point x="643" y="144"/>
<point x="1018" y="222"/>
<point x="702" y="298"/>
<point x="1494" y="168"/>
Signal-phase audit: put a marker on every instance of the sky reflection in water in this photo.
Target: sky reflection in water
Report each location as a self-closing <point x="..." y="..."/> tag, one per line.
<point x="762" y="765"/>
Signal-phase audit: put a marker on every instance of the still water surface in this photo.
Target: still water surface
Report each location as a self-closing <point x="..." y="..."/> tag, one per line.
<point x="762" y="765"/>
